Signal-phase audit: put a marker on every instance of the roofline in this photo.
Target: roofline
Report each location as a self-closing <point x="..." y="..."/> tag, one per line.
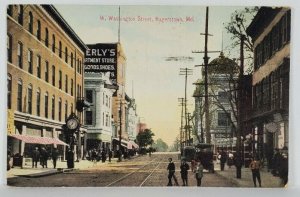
<point x="52" y="11"/>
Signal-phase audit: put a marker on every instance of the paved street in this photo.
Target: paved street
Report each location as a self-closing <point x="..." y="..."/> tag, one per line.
<point x="140" y="171"/>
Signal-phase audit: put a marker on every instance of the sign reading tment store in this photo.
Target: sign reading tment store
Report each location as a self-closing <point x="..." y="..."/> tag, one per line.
<point x="102" y="57"/>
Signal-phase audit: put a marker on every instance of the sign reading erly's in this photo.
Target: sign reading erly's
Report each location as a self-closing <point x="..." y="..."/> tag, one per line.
<point x="102" y="57"/>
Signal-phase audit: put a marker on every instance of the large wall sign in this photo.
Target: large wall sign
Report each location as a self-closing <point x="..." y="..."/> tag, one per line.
<point x="102" y="57"/>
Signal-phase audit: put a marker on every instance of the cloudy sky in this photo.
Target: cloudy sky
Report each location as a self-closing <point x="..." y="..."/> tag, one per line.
<point x="157" y="83"/>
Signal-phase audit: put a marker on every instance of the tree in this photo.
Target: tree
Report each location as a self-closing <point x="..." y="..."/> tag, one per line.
<point x="145" y="138"/>
<point x="240" y="19"/>
<point x="175" y="146"/>
<point x="160" y="145"/>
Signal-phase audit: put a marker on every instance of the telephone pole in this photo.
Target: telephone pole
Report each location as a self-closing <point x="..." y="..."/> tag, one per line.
<point x="181" y="103"/>
<point x="185" y="72"/>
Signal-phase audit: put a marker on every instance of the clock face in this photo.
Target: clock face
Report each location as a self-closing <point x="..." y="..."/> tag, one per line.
<point x="72" y="123"/>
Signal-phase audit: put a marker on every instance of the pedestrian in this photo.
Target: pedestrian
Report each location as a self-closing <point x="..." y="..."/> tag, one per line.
<point x="255" y="168"/>
<point x="184" y="167"/>
<point x="35" y="157"/>
<point x="283" y="169"/>
<point x="199" y="173"/>
<point x="193" y="165"/>
<point x="230" y="159"/>
<point x="109" y="155"/>
<point x="94" y="156"/>
<point x="171" y="169"/>
<point x="276" y="162"/>
<point x="44" y="157"/>
<point x="70" y="158"/>
<point x="54" y="156"/>
<point x="223" y="159"/>
<point x="103" y="156"/>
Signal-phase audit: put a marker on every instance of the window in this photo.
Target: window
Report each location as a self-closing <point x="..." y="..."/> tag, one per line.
<point x="59" y="109"/>
<point x="106" y="120"/>
<point x="72" y="87"/>
<point x="71" y="108"/>
<point x="30" y="23"/>
<point x="223" y="119"/>
<point x="53" y="75"/>
<point x="29" y="57"/>
<point x="103" y="98"/>
<point x="60" y="80"/>
<point x="29" y="99"/>
<point x="9" y="10"/>
<point x="60" y="49"/>
<point x="103" y="118"/>
<point x="38" y="66"/>
<point x="77" y="65"/>
<point x="20" y="14"/>
<point x="89" y="96"/>
<point x="66" y="110"/>
<point x="88" y="117"/>
<point x="46" y="105"/>
<point x="38" y="102"/>
<point x="19" y="97"/>
<point x="66" y="54"/>
<point x="9" y="48"/>
<point x="20" y="55"/>
<point x="46" y="71"/>
<point x="38" y="30"/>
<point x="66" y="83"/>
<point x="53" y="43"/>
<point x="106" y="100"/>
<point x="71" y="59"/>
<point x="46" y="37"/>
<point x="9" y="91"/>
<point x="78" y="95"/>
<point x="53" y="108"/>
<point x="223" y="97"/>
<point x="274" y="90"/>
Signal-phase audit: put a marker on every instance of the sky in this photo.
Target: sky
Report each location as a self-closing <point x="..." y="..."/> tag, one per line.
<point x="147" y="41"/>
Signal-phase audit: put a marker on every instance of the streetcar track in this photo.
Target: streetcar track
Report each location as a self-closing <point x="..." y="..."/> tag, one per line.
<point x="125" y="176"/>
<point x="149" y="175"/>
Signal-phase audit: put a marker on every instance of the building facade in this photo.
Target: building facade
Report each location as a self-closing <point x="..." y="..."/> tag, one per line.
<point x="131" y="119"/>
<point x="270" y="82"/>
<point x="98" y="118"/>
<point x="44" y="76"/>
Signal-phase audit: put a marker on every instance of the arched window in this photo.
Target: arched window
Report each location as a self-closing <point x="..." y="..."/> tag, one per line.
<point x="30" y="23"/>
<point x="20" y="54"/>
<point x="53" y="43"/>
<point x="60" y="79"/>
<point x="20" y="14"/>
<point x="46" y="104"/>
<point x="9" y="47"/>
<point x="106" y="120"/>
<point x="66" y="110"/>
<point x="38" y="30"/>
<point x="66" y="83"/>
<point x="66" y="54"/>
<point x="53" y="107"/>
<point x="29" y="99"/>
<point x="38" y="102"/>
<point x="53" y="75"/>
<point x="38" y="66"/>
<point x="9" y="84"/>
<point x="60" y="49"/>
<point x="46" y="71"/>
<point x="19" y="96"/>
<point x="46" y="37"/>
<point x="29" y="58"/>
<point x="59" y="109"/>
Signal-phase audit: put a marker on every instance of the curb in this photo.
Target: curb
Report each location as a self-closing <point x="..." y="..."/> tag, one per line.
<point x="49" y="173"/>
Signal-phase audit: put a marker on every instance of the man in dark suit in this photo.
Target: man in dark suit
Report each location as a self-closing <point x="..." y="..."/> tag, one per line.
<point x="35" y="157"/>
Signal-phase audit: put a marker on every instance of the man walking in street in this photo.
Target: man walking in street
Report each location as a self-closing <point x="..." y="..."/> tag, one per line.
<point x="44" y="157"/>
<point x="184" y="167"/>
<point x="223" y="159"/>
<point x="171" y="169"/>
<point x="109" y="155"/>
<point x="54" y="156"/>
<point x="199" y="173"/>
<point x="35" y="157"/>
<point x="255" y="167"/>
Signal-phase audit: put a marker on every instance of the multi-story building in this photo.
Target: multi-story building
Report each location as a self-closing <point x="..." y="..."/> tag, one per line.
<point x="98" y="118"/>
<point x="131" y="119"/>
<point x="44" y="76"/>
<point x="270" y="32"/>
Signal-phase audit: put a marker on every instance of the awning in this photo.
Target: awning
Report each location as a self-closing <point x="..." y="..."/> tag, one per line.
<point x="124" y="143"/>
<point x="38" y="140"/>
<point x="134" y="144"/>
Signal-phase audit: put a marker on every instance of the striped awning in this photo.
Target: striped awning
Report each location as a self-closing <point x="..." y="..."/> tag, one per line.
<point x="134" y="144"/>
<point x="38" y="140"/>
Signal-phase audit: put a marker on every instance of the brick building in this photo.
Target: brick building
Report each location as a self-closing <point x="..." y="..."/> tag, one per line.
<point x="44" y="77"/>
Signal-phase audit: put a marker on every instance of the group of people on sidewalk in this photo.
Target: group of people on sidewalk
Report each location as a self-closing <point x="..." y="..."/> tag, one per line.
<point x="42" y="156"/>
<point x="184" y="167"/>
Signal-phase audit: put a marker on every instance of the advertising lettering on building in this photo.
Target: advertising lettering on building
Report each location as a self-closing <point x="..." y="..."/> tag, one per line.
<point x="102" y="58"/>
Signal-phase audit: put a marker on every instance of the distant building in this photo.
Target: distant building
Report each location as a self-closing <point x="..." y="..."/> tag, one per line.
<point x="98" y="118"/>
<point x="141" y="127"/>
<point x="270" y="32"/>
<point x="44" y="78"/>
<point x="131" y="119"/>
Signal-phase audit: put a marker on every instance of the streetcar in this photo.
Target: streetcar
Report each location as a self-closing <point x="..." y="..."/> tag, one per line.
<point x="188" y="153"/>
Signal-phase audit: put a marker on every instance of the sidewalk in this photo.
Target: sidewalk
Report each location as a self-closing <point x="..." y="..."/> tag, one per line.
<point x="61" y="166"/>
<point x="267" y="179"/>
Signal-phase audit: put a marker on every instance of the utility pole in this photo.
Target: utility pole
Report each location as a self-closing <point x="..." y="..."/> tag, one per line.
<point x="189" y="129"/>
<point x="240" y="110"/>
<point x="181" y="103"/>
<point x="185" y="72"/>
<point x="120" y="131"/>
